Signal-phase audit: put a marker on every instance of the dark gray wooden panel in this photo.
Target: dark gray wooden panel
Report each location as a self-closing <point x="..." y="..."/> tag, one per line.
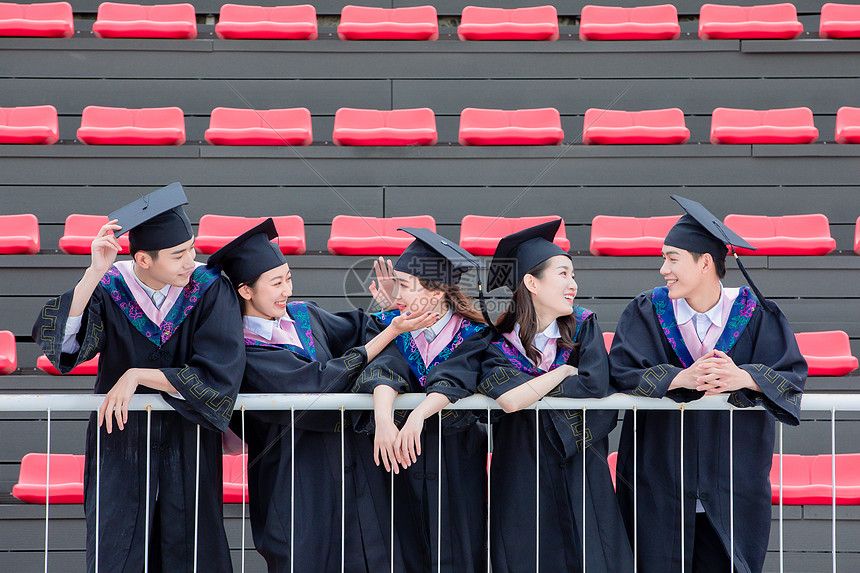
<point x="573" y="96"/>
<point x="214" y="6"/>
<point x="324" y="59"/>
<point x="195" y="97"/>
<point x="314" y="204"/>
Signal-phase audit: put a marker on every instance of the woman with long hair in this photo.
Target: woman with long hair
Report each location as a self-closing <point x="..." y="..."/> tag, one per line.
<point x="295" y="459"/>
<point x="552" y="502"/>
<point x="425" y="279"/>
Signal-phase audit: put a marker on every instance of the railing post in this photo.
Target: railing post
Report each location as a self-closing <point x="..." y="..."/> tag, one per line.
<point x="147" y="481"/>
<point x="47" y="487"/>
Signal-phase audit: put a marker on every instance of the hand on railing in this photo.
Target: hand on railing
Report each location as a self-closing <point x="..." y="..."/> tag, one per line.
<point x="116" y="401"/>
<point x="721" y="374"/>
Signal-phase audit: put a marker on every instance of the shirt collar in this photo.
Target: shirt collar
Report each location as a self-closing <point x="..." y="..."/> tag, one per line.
<point x="685" y="312"/>
<point x="436" y="328"/>
<point x="263" y="327"/>
<point x="541" y="338"/>
<point x="150" y="291"/>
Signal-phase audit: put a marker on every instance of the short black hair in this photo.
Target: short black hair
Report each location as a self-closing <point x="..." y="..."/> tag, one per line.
<point x="719" y="263"/>
<point x="152" y="254"/>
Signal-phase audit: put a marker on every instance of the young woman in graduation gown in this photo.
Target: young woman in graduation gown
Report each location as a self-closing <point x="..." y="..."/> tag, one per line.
<point x="545" y="346"/>
<point x="427" y="276"/>
<point x="751" y="357"/>
<point x="297" y="347"/>
<point x="188" y="348"/>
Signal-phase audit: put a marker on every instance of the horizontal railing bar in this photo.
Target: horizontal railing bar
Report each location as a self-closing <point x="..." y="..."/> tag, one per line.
<point x="88" y="402"/>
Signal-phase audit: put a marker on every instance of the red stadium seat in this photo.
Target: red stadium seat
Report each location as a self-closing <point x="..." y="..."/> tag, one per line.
<point x="827" y="353"/>
<point x="19" y="234"/>
<point x="640" y="23"/>
<point x="79" y="232"/>
<point x="788" y="235"/>
<point x="380" y="127"/>
<point x="537" y="23"/>
<point x="607" y="340"/>
<point x="839" y="21"/>
<point x="848" y="125"/>
<point x="629" y="236"/>
<point x="8" y="353"/>
<point x="365" y="23"/>
<point x="87" y="368"/>
<point x="229" y="126"/>
<point x="612" y="127"/>
<point x="215" y="231"/>
<point x="791" y="125"/>
<point x="49" y="20"/>
<point x="122" y="126"/>
<point x="770" y="21"/>
<point x="480" y="235"/>
<point x="136" y="21"/>
<point x="66" y="484"/>
<point x="373" y="236"/>
<point x="510" y="127"/>
<point x="857" y="236"/>
<point x="276" y="23"/>
<point x="796" y="479"/>
<point x="847" y="478"/>
<point x="29" y="125"/>
<point x="235" y="479"/>
<point x="612" y="462"/>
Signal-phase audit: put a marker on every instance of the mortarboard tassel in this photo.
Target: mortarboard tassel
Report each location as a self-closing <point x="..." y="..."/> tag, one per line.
<point x="764" y="302"/>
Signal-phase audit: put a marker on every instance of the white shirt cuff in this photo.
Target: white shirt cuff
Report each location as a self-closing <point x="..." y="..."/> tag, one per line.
<point x="70" y="342"/>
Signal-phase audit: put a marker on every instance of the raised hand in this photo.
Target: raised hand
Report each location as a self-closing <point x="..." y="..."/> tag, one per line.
<point x="384" y="288"/>
<point x="104" y="248"/>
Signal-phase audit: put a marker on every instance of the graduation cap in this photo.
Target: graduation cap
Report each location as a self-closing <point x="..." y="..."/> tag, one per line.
<point x="522" y="251"/>
<point x="155" y="221"/>
<point x="434" y="258"/>
<point x="250" y="254"/>
<point x="699" y="231"/>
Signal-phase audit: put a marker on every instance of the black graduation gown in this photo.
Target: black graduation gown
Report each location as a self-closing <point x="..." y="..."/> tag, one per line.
<point x="463" y="468"/>
<point x="331" y="367"/>
<point x="643" y="362"/>
<point x="199" y="349"/>
<point x="496" y="367"/>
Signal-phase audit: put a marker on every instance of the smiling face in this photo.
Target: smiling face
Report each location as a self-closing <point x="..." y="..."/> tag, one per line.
<point x="267" y="298"/>
<point x="413" y="297"/>
<point x="172" y="266"/>
<point x="553" y="292"/>
<point x="685" y="275"/>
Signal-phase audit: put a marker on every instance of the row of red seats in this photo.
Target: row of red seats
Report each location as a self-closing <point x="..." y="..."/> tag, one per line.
<point x="827" y="353"/>
<point x="421" y="22"/>
<point x="351" y="235"/>
<point x="806" y="480"/>
<point x="542" y="126"/>
<point x="67" y="479"/>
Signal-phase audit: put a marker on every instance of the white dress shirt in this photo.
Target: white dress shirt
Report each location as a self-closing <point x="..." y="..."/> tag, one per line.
<point x="702" y="320"/>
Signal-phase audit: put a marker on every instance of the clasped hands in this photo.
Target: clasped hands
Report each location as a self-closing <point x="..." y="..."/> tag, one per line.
<point x="714" y="373"/>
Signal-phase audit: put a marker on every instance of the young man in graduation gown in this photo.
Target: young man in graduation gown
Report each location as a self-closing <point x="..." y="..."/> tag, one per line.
<point x="163" y="324"/>
<point x="689" y="339"/>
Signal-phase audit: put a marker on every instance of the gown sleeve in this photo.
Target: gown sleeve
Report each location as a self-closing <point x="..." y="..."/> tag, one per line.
<point x="639" y="361"/>
<point x="210" y="380"/>
<point x="389" y="368"/>
<point x="777" y="366"/>
<point x="457" y="377"/>
<point x="343" y="330"/>
<point x="50" y="326"/>
<point x="592" y="380"/>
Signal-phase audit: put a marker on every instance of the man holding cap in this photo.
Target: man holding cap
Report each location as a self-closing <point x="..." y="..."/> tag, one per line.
<point x="688" y="339"/>
<point x="162" y="324"/>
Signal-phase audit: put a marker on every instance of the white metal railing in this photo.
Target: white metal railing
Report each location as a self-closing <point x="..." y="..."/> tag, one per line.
<point x="341" y="402"/>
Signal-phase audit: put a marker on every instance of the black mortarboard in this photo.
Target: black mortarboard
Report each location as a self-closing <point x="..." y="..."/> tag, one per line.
<point x="699" y="231"/>
<point x="522" y="251"/>
<point x="155" y="221"/>
<point x="434" y="258"/>
<point x="250" y="254"/>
